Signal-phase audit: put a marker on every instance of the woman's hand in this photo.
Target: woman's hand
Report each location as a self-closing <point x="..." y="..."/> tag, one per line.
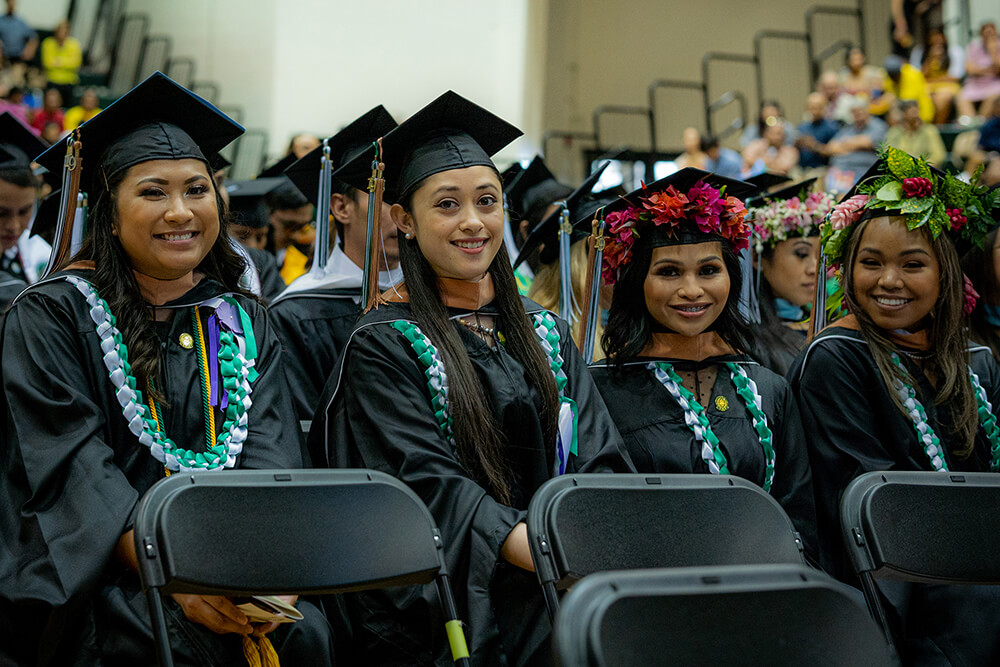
<point x="515" y="548"/>
<point x="215" y="612"/>
<point x="265" y="628"/>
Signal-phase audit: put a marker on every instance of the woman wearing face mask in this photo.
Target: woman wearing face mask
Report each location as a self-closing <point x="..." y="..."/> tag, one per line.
<point x="685" y="396"/>
<point x="470" y="394"/>
<point x="786" y="244"/>
<point x="896" y="385"/>
<point x="139" y="357"/>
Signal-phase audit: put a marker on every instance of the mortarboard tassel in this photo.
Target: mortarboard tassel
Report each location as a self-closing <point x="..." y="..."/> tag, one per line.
<point x="817" y="316"/>
<point x="566" y="310"/>
<point x="371" y="297"/>
<point x="508" y="233"/>
<point x="79" y="224"/>
<point x="749" y="304"/>
<point x="260" y="653"/>
<point x="592" y="292"/>
<point x="321" y="246"/>
<point x="63" y="240"/>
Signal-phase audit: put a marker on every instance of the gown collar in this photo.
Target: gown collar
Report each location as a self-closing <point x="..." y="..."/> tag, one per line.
<point x="917" y="340"/>
<point x="689" y="348"/>
<point x="459" y="294"/>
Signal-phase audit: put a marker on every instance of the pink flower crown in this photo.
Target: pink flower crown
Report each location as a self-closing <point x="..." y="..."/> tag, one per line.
<point x="710" y="209"/>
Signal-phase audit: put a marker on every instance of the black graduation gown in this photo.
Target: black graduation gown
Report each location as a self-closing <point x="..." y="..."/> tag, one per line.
<point x="376" y="413"/>
<point x="271" y="284"/>
<point x="313" y="327"/>
<point x="72" y="475"/>
<point x="855" y="428"/>
<point x="651" y="423"/>
<point x="10" y="287"/>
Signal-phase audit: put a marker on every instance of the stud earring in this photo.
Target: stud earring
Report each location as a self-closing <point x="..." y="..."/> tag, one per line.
<point x="408" y="235"/>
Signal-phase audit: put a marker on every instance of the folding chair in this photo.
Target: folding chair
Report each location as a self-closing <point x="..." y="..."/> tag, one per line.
<point x="581" y="524"/>
<point x="929" y="527"/>
<point x="289" y="531"/>
<point x="770" y="615"/>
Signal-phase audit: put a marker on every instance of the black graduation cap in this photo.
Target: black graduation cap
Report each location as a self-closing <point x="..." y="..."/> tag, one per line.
<point x="789" y="191"/>
<point x="218" y="163"/>
<point x="535" y="189"/>
<point x="157" y="120"/>
<point x="449" y="133"/>
<point x="247" y="201"/>
<point x="508" y="175"/>
<point x="279" y="167"/>
<point x="581" y="212"/>
<point x="19" y="144"/>
<point x="766" y="180"/>
<point x="347" y="144"/>
<point x="683" y="181"/>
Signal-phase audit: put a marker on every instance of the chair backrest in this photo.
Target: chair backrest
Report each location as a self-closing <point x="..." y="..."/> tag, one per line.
<point x="924" y="526"/>
<point x="581" y="524"/>
<point x="287" y="531"/>
<point x="746" y="615"/>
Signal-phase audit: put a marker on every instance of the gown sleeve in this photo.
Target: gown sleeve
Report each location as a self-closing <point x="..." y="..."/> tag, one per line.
<point x="600" y="447"/>
<point x="273" y="440"/>
<point x="793" y="487"/>
<point x="839" y="416"/>
<point x="64" y="502"/>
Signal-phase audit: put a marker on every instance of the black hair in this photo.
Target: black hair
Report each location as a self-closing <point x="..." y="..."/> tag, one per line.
<point x="774" y="343"/>
<point x="977" y="264"/>
<point x="630" y="326"/>
<point x="708" y="142"/>
<point x="761" y="126"/>
<point x="482" y="446"/>
<point x="21" y="177"/>
<point x="286" y="197"/>
<point x="116" y="283"/>
<point x="945" y="57"/>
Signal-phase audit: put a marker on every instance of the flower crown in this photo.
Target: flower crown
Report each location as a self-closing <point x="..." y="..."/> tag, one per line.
<point x="782" y="219"/>
<point x="703" y="205"/>
<point x="940" y="202"/>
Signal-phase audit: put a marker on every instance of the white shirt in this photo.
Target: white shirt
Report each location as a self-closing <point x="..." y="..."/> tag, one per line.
<point x="340" y="273"/>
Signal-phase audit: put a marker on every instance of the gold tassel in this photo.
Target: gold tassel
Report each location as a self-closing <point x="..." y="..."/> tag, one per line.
<point x="376" y="184"/>
<point x="260" y="654"/>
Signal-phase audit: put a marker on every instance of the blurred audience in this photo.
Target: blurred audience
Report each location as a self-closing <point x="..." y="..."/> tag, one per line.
<point x="18" y="40"/>
<point x="721" y="160"/>
<point x="943" y="67"/>
<point x="910" y="21"/>
<point x="51" y="111"/>
<point x="302" y="144"/>
<point x="84" y="111"/>
<point x="770" y="113"/>
<point x="61" y="61"/>
<point x="14" y="102"/>
<point x="989" y="133"/>
<point x="982" y="72"/>
<point x="828" y="86"/>
<point x="815" y="132"/>
<point x="693" y="155"/>
<point x="853" y="148"/>
<point x="916" y="137"/>
<point x="903" y="81"/>
<point x="858" y="78"/>
<point x="771" y="152"/>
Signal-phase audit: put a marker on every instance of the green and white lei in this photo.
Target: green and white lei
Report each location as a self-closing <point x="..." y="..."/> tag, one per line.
<point x="697" y="420"/>
<point x="437" y="381"/>
<point x="236" y="356"/>
<point x="925" y="432"/>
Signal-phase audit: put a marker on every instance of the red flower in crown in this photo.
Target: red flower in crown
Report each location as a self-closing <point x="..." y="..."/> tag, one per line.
<point x="667" y="207"/>
<point x="970" y="296"/>
<point x="917" y="187"/>
<point x="732" y="223"/>
<point x="957" y="218"/>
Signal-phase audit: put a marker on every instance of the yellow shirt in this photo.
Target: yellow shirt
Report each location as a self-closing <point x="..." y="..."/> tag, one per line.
<point x="912" y="86"/>
<point x="77" y="116"/>
<point x="62" y="63"/>
<point x="294" y="264"/>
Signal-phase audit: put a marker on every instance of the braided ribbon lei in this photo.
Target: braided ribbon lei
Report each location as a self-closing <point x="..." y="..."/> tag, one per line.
<point x="697" y="420"/>
<point x="437" y="379"/>
<point x="925" y="432"/>
<point x="237" y="373"/>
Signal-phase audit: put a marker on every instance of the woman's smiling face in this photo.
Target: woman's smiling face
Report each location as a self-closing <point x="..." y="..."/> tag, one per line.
<point x="896" y="274"/>
<point x="456" y="217"/>
<point x="167" y="216"/>
<point x="687" y="286"/>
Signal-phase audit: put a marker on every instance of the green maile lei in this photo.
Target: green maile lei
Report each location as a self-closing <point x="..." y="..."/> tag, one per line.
<point x="697" y="420"/>
<point x="237" y="358"/>
<point x="925" y="432"/>
<point x="437" y="379"/>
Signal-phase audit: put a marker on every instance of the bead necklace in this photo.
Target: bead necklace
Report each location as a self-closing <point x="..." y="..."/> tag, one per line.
<point x="476" y="327"/>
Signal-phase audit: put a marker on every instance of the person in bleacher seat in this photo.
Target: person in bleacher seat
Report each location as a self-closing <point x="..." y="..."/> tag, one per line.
<point x="138" y="357"/>
<point x="677" y="379"/>
<point x="896" y="385"/>
<point x="916" y="137"/>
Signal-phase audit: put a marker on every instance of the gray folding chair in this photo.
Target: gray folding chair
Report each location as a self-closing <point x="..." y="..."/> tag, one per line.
<point x="287" y="531"/>
<point x="581" y="524"/>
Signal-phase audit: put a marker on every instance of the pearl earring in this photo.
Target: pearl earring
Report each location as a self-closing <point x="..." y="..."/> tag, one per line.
<point x="408" y="235"/>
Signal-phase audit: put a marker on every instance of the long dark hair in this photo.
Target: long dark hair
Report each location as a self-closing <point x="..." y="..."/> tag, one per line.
<point x="115" y="282"/>
<point x="978" y="265"/>
<point x="482" y="446"/>
<point x="949" y="354"/>
<point x="775" y="343"/>
<point x="630" y="325"/>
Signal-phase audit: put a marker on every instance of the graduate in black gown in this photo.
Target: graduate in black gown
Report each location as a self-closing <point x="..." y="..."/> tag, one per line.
<point x="315" y="315"/>
<point x="683" y="393"/>
<point x="469" y="393"/>
<point x="22" y="256"/>
<point x="251" y="223"/>
<point x="786" y="249"/>
<point x="899" y="364"/>
<point x="139" y="357"/>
